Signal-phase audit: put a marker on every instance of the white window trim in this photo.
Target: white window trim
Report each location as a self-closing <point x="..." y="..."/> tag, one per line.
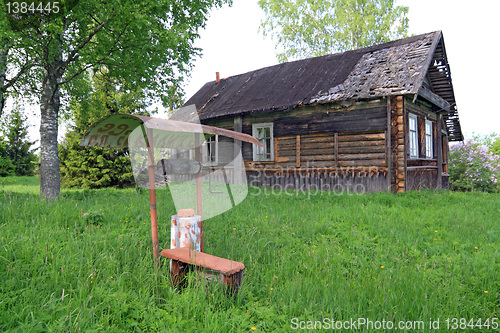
<point x="429" y="143"/>
<point x="254" y="133"/>
<point x="204" y="153"/>
<point x="413" y="152"/>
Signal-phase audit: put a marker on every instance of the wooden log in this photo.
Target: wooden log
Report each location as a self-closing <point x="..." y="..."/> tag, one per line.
<point x="361" y="150"/>
<point x="319" y="144"/>
<point x="315" y="138"/>
<point x="367" y="156"/>
<point x="313" y="152"/>
<point x="281" y="159"/>
<point x="368" y="163"/>
<point x="361" y="137"/>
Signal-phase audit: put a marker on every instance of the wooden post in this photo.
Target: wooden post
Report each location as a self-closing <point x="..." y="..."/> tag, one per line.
<point x="237" y="164"/>
<point x="336" y="152"/>
<point x="199" y="204"/>
<point x="297" y="152"/>
<point x="406" y="145"/>
<point x="388" y="145"/>
<point x="439" y="138"/>
<point x="152" y="194"/>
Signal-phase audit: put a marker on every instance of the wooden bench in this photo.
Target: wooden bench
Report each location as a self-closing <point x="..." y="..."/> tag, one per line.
<point x="228" y="271"/>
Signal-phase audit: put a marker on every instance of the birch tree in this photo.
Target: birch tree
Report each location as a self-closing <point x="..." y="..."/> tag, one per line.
<point x="310" y="28"/>
<point x="147" y="44"/>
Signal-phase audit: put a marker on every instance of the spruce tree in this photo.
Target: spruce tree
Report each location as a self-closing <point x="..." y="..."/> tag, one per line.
<point x="18" y="148"/>
<point x="94" y="167"/>
<point x="6" y="166"/>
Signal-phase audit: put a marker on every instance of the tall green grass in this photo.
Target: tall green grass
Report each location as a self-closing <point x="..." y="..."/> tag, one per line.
<point x="84" y="263"/>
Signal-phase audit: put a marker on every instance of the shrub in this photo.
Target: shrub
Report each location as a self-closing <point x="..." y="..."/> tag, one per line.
<point x="93" y="167"/>
<point x="473" y="167"/>
<point x="495" y="146"/>
<point x="7" y="168"/>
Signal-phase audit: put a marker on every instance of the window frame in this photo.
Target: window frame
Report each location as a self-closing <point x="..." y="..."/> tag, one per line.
<point x="213" y="140"/>
<point x="429" y="140"/>
<point x="413" y="136"/>
<point x="255" y="128"/>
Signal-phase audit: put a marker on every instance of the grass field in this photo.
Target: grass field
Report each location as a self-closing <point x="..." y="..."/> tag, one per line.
<point x="84" y="263"/>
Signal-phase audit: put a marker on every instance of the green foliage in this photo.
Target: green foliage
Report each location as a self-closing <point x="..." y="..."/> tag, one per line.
<point x="18" y="154"/>
<point x="413" y="256"/>
<point x="304" y="29"/>
<point x="93" y="167"/>
<point x="146" y="45"/>
<point x="495" y="146"/>
<point x="474" y="167"/>
<point x="7" y="168"/>
<point x="492" y="141"/>
<point x="99" y="95"/>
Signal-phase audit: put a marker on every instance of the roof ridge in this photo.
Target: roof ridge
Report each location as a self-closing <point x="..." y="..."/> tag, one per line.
<point x="370" y="48"/>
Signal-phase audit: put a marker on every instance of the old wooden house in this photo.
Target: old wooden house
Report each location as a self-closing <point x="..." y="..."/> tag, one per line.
<point x="374" y="119"/>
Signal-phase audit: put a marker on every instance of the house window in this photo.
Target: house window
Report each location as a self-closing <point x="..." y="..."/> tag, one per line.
<point x="210" y="147"/>
<point x="263" y="133"/>
<point x="428" y="139"/>
<point x="412" y="122"/>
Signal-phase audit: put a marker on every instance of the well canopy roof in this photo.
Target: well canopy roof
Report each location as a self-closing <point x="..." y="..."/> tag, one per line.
<point x="114" y="131"/>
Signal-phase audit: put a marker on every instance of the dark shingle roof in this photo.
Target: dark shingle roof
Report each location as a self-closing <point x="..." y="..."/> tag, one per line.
<point x="395" y="68"/>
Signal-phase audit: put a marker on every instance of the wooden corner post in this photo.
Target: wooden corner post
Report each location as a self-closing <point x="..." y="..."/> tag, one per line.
<point x="439" y="139"/>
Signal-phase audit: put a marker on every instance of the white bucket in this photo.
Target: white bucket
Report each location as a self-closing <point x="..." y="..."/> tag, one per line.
<point x="185" y="232"/>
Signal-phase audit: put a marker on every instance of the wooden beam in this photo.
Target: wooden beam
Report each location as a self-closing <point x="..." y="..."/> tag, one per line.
<point x="388" y="145"/>
<point x="434" y="99"/>
<point x="336" y="153"/>
<point x="297" y="152"/>
<point x="238" y="172"/>
<point x="439" y="151"/>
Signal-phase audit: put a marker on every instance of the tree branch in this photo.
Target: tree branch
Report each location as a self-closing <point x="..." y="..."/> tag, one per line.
<point x="73" y="54"/>
<point x="10" y="82"/>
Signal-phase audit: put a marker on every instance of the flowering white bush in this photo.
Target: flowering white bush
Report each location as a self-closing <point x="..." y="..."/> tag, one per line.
<point x="473" y="167"/>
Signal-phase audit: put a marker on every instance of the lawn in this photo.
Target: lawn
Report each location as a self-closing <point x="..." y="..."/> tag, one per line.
<point x="84" y="263"/>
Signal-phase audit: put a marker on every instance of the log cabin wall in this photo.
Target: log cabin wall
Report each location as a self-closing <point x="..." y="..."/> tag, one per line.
<point x="339" y="146"/>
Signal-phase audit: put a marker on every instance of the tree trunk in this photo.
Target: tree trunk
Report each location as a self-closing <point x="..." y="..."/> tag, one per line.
<point x="49" y="110"/>
<point x="3" y="71"/>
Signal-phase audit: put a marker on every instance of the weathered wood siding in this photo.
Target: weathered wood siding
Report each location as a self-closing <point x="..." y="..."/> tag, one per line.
<point x="348" y="117"/>
<point x="339" y="150"/>
<point x="340" y="146"/>
<point x="420" y="178"/>
<point x="316" y="179"/>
